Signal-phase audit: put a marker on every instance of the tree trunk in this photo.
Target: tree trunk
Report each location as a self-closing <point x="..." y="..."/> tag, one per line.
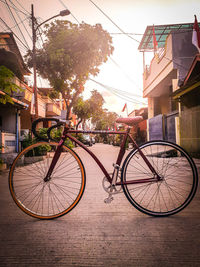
<point x="78" y="124"/>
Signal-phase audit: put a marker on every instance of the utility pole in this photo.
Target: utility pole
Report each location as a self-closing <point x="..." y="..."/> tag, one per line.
<point x="34" y="62"/>
<point x="62" y="13"/>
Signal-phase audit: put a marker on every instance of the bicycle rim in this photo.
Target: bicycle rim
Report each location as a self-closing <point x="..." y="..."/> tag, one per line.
<point x="51" y="199"/>
<point x="179" y="178"/>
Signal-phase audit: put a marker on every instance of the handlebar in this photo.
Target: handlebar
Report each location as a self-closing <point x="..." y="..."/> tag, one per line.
<point x="34" y="124"/>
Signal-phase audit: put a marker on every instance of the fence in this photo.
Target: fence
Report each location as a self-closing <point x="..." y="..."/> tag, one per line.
<point x="162" y="127"/>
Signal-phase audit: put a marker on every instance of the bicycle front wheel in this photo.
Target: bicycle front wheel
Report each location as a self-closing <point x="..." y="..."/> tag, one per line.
<point x="178" y="182"/>
<point x="46" y="199"/>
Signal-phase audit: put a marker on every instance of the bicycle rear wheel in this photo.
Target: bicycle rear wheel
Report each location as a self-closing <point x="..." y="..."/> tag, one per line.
<point x="53" y="198"/>
<point x="177" y="170"/>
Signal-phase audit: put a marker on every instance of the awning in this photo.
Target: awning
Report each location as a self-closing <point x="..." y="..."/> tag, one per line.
<point x="183" y="91"/>
<point x="17" y="102"/>
<point x="161" y="32"/>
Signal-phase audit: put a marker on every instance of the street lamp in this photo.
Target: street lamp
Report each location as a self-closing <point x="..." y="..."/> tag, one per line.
<point x="34" y="30"/>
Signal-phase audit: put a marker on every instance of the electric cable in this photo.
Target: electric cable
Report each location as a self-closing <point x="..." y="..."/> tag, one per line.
<point x="14" y="8"/>
<point x="120" y="93"/>
<point x="178" y="64"/>
<point x="14" y="33"/>
<point x="28" y="13"/>
<point x="125" y="74"/>
<point x="70" y="11"/>
<point x="22" y="21"/>
<point x="16" y="23"/>
<point x="113" y="22"/>
<point x="125" y="33"/>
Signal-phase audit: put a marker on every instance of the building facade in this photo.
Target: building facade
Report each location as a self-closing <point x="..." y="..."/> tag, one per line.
<point x="16" y="118"/>
<point x="164" y="77"/>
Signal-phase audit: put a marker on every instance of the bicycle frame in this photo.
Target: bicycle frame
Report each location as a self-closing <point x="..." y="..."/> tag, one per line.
<point x="66" y="134"/>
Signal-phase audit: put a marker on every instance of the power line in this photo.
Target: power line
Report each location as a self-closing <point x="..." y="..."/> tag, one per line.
<point x="113" y="22"/>
<point x="28" y="13"/>
<point x="14" y="8"/>
<point x="13" y="33"/>
<point x="120" y="91"/>
<point x="22" y="21"/>
<point x="178" y="64"/>
<point x="16" y="23"/>
<point x="122" y="94"/>
<point x="41" y="38"/>
<point x="125" y="33"/>
<point x="125" y="74"/>
<point x="70" y="11"/>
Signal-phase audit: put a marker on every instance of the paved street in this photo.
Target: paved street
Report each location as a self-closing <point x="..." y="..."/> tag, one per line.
<point x="98" y="234"/>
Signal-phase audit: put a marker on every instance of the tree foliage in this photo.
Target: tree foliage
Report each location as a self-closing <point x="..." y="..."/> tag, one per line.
<point x="6" y="85"/>
<point x="90" y="108"/>
<point x="106" y="121"/>
<point x="82" y="109"/>
<point x="69" y="55"/>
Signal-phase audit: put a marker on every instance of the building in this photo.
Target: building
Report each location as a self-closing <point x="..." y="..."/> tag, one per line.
<point x="10" y="120"/>
<point x="165" y="77"/>
<point x="16" y="118"/>
<point x="10" y="125"/>
<point x="188" y="96"/>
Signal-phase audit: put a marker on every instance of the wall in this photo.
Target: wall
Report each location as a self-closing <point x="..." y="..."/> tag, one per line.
<point x="155" y="128"/>
<point x="8" y="117"/>
<point x="158" y="69"/>
<point x="190" y="130"/>
<point x="8" y="142"/>
<point x="183" y="53"/>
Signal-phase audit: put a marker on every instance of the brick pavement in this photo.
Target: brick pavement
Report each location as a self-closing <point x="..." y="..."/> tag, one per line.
<point x="97" y="234"/>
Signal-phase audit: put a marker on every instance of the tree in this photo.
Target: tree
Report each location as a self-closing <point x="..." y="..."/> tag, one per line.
<point x="82" y="109"/>
<point x="91" y="108"/>
<point x="69" y="55"/>
<point x="96" y="103"/>
<point x="107" y="121"/>
<point x="6" y="85"/>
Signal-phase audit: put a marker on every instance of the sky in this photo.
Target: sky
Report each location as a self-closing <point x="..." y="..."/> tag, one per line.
<point x="125" y="68"/>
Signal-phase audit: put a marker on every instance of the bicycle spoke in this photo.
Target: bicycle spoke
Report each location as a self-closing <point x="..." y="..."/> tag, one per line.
<point x="177" y="184"/>
<point x="47" y="199"/>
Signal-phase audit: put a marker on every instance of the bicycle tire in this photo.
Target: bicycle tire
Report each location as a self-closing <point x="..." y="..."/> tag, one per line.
<point x="51" y="199"/>
<point x="177" y="187"/>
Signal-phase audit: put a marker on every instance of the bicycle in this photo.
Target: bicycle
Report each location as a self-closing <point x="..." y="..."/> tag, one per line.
<point x="158" y="178"/>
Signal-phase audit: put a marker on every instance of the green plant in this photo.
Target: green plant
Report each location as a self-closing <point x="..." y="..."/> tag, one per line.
<point x="42" y="150"/>
<point x="27" y="141"/>
<point x="7" y="86"/>
<point x="69" y="143"/>
<point x="39" y="151"/>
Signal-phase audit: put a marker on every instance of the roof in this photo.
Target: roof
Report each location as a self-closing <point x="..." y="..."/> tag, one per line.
<point x="161" y="32"/>
<point x="17" y="102"/>
<point x="193" y="74"/>
<point x="11" y="43"/>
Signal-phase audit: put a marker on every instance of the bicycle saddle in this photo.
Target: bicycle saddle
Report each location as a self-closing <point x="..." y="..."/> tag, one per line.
<point x="130" y="121"/>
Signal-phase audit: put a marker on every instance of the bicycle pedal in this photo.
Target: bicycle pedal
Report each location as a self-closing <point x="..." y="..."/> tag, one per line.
<point x="108" y="200"/>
